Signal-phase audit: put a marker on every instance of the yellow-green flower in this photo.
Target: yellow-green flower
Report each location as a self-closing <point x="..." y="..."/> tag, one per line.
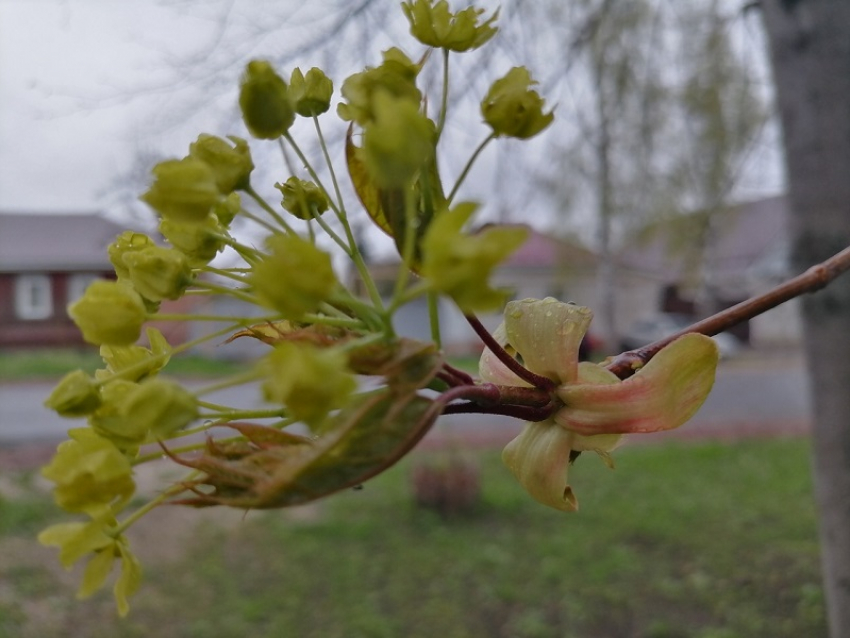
<point x="77" y="394"/>
<point x="433" y="24"/>
<point x="183" y="190"/>
<point x="512" y="109"/>
<point x="110" y="313"/>
<point x="460" y="264"/>
<point x="397" y="142"/>
<point x="199" y="242"/>
<point x="309" y="381"/>
<point x="135" y="363"/>
<point x="597" y="407"/>
<point x="231" y="165"/>
<point x="294" y="278"/>
<point x="126" y="242"/>
<point x="266" y="104"/>
<point x="300" y="197"/>
<point x="90" y="474"/>
<point x="159" y="273"/>
<point x="396" y="76"/>
<point x="311" y="94"/>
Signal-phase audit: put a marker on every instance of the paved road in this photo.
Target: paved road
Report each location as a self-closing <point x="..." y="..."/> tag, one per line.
<point x="755" y="393"/>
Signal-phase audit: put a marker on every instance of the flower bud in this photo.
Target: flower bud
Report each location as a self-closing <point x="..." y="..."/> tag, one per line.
<point x="157" y="408"/>
<point x="90" y="474"/>
<point x="109" y="313"/>
<point x="231" y="165"/>
<point x="398" y="142"/>
<point x="159" y="273"/>
<point x="227" y="209"/>
<point x="311" y="94"/>
<point x="77" y="394"/>
<point x="309" y="381"/>
<point x="265" y="101"/>
<point x="183" y="190"/>
<point x="134" y="363"/>
<point x="433" y="25"/>
<point x="396" y="76"/>
<point x="294" y="278"/>
<point x="109" y="420"/>
<point x="199" y="242"/>
<point x="126" y="242"/>
<point x="512" y="109"/>
<point x="300" y="197"/>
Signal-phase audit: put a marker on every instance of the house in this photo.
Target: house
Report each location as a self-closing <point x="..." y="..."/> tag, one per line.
<point x="652" y="276"/>
<point x="46" y="262"/>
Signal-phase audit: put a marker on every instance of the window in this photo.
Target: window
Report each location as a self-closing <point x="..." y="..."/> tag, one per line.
<point x="33" y="297"/>
<point x="77" y="284"/>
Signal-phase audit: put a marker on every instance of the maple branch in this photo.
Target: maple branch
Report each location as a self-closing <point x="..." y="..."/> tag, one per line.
<point x="626" y="364"/>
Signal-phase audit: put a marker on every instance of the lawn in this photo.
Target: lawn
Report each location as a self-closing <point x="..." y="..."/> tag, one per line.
<point x="703" y="540"/>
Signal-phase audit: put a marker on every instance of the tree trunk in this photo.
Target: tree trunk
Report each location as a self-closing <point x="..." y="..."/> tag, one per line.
<point x="810" y="50"/>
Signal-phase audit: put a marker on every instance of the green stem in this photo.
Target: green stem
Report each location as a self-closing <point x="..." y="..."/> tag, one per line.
<point x="241" y="379"/>
<point x="271" y="211"/>
<point x="147" y="507"/>
<point x="327" y="156"/>
<point x="444" y="104"/>
<point x="339" y="241"/>
<point x="434" y="318"/>
<point x="224" y="273"/>
<point x="307" y="165"/>
<point x="240" y="321"/>
<point x="408" y="247"/>
<point x="468" y="166"/>
<point x="258" y="220"/>
<point x="224" y="290"/>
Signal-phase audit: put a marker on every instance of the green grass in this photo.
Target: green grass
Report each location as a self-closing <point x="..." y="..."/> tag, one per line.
<point x="698" y="541"/>
<point x="22" y="365"/>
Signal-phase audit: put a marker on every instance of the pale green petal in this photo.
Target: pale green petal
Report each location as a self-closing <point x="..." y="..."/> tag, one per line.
<point x="539" y="458"/>
<point x="547" y="333"/>
<point x="661" y="396"/>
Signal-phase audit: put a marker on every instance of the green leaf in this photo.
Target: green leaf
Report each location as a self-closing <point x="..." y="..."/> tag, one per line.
<point x="129" y="579"/>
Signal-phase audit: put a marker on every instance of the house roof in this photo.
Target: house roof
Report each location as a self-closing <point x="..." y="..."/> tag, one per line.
<point x="52" y="242"/>
<point x="753" y="237"/>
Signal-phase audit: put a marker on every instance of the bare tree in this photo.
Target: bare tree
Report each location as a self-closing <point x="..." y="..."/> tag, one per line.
<point x="810" y="49"/>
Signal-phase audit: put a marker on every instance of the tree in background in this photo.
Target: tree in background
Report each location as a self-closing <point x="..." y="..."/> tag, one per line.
<point x="810" y="50"/>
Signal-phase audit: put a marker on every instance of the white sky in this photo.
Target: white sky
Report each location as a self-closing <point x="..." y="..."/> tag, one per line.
<point x="81" y="91"/>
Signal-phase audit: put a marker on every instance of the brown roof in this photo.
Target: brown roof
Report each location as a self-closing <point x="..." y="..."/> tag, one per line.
<point x="51" y="242"/>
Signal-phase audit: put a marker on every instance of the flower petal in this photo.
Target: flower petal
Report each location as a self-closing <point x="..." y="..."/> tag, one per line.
<point x="547" y="333"/>
<point x="490" y="367"/>
<point x="663" y="395"/>
<point x="539" y="458"/>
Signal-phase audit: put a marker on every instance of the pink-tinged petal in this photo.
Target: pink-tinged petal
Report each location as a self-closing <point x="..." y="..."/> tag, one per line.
<point x="663" y="395"/>
<point x="600" y="443"/>
<point x="547" y="334"/>
<point x="539" y="458"/>
<point x="490" y="367"/>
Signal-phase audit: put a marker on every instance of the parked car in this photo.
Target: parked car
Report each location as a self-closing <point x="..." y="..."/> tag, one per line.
<point x="649" y="329"/>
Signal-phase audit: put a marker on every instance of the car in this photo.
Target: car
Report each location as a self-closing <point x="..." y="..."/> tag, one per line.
<point x="649" y="329"/>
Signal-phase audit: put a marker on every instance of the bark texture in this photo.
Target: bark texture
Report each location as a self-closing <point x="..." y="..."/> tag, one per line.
<point x="810" y="51"/>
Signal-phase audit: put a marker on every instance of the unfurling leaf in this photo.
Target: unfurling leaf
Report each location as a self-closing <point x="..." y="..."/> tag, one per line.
<point x="276" y="469"/>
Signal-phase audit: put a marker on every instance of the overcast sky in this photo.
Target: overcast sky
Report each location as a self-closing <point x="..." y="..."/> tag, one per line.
<point x="86" y="84"/>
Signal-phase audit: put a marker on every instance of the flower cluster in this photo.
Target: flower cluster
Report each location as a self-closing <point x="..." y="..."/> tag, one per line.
<point x="337" y="363"/>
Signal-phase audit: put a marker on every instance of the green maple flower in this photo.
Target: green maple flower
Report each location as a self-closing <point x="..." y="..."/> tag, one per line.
<point x="199" y="242"/>
<point x="126" y="242"/>
<point x="184" y="190"/>
<point x="135" y="363"/>
<point x="512" y="109"/>
<point x="159" y="273"/>
<point x="90" y="474"/>
<point x="434" y="25"/>
<point x="76" y="394"/>
<point x="300" y="197"/>
<point x="110" y="313"/>
<point x="231" y="165"/>
<point x="459" y="264"/>
<point x="265" y="100"/>
<point x="397" y="142"/>
<point x="96" y="538"/>
<point x="311" y="93"/>
<point x="309" y="381"/>
<point x="396" y="76"/>
<point x="598" y="408"/>
<point x="294" y="278"/>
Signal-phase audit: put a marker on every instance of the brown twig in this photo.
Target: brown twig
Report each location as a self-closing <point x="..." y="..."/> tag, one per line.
<point x="626" y="364"/>
<point x="512" y="364"/>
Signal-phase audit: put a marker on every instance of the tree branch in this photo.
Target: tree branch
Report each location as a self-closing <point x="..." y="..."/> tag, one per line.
<point x="815" y="278"/>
